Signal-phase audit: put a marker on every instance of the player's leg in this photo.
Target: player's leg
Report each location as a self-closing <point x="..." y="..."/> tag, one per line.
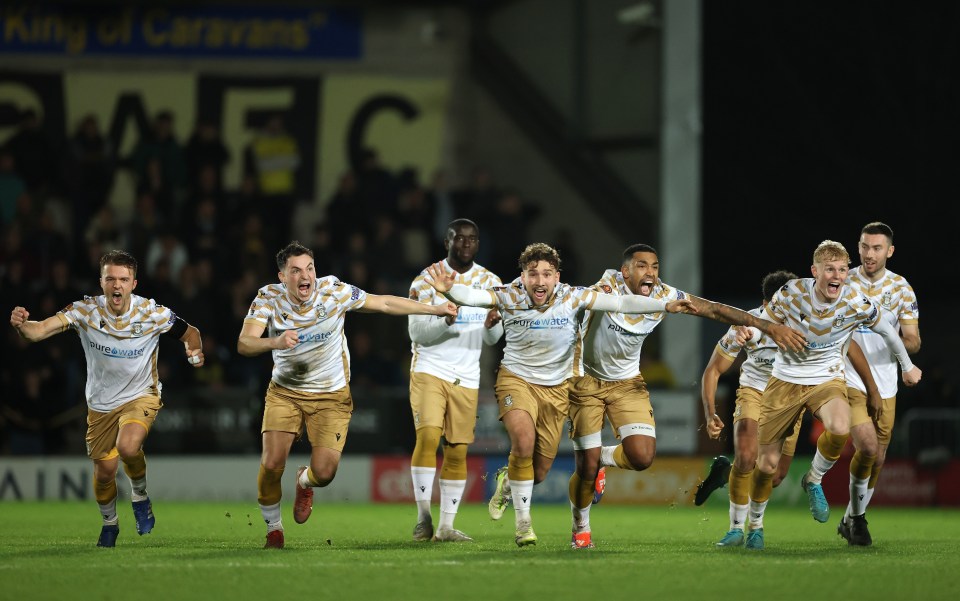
<point x="780" y="406"/>
<point x="326" y="420"/>
<point x="520" y="428"/>
<point x="745" y="416"/>
<point x="787" y="451"/>
<point x="282" y="423"/>
<point x="428" y="403"/>
<point x="273" y="460"/>
<point x="853" y="524"/>
<point x="828" y="402"/>
<point x="136" y="419"/>
<point x="586" y="422"/>
<point x="101" y="440"/>
<point x="105" y="491"/>
<point x="459" y="424"/>
<point x="518" y="412"/>
<point x="631" y="415"/>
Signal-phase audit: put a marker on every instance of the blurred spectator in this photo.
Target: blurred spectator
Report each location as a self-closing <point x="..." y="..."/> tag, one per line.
<point x="90" y="171"/>
<point x="476" y="201"/>
<point x="566" y="246"/>
<point x="159" y="164"/>
<point x="146" y="224"/>
<point x="36" y="158"/>
<point x="104" y="231"/>
<point x="345" y="212"/>
<point x="507" y="233"/>
<point x="376" y="187"/>
<point x="441" y="202"/>
<point x="12" y="187"/>
<point x="166" y="248"/>
<point x="205" y="150"/>
<point x="274" y="158"/>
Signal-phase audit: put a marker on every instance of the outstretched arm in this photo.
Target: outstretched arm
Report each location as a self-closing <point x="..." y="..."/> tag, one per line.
<point x="397" y="305"/>
<point x="717" y="366"/>
<point x="35" y="331"/>
<point x="784" y="336"/>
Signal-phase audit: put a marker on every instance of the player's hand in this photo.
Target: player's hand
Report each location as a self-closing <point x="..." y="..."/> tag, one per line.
<point x="440" y="279"/>
<point x="912" y="377"/>
<point x="194" y="357"/>
<point x="493" y="318"/>
<point x="451" y="319"/>
<point x="682" y="306"/>
<point x="18" y="317"/>
<point x="449" y="310"/>
<point x="743" y="334"/>
<point x="874" y="404"/>
<point x="714" y="426"/>
<point x="786" y="337"/>
<point x="287" y="340"/>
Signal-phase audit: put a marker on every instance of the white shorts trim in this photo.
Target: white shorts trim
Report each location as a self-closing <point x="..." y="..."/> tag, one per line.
<point x="590" y="441"/>
<point x="638" y="428"/>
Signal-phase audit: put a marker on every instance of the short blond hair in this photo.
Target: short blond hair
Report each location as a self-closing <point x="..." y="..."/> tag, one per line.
<point x="830" y="250"/>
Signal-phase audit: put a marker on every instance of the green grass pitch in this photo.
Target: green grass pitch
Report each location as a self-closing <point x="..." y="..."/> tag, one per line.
<point x="363" y="551"/>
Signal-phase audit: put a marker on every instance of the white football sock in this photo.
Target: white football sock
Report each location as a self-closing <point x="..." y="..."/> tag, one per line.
<point x="738" y="515"/>
<point x="756" y="514"/>
<point x="451" y="494"/>
<point x="522" y="493"/>
<point x="109" y="512"/>
<point x="271" y="515"/>
<point x="423" y="490"/>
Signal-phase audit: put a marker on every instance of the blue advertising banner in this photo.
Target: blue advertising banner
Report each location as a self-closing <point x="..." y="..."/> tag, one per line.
<point x="208" y="32"/>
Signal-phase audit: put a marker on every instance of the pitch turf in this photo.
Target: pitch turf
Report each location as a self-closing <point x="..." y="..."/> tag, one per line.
<point x="212" y="551"/>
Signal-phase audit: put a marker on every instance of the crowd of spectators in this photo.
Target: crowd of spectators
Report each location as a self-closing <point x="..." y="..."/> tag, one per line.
<point x="205" y="248"/>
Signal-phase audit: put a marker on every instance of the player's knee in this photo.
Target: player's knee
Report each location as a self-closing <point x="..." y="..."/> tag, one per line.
<point x="324" y="474"/>
<point x="640" y="459"/>
<point x="745" y="461"/>
<point x="127" y="450"/>
<point x="588" y="467"/>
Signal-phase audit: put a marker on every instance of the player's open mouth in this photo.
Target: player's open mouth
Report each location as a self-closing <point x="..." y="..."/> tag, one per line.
<point x="834" y="287"/>
<point x="539" y="294"/>
<point x="646" y="287"/>
<point x="304" y="288"/>
<point x="117" y="296"/>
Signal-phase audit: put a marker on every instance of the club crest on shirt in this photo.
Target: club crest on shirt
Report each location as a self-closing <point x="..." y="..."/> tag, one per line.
<point x="476" y="285"/>
<point x="606" y="289"/>
<point x="136" y="329"/>
<point x="886" y="299"/>
<point x="838" y="321"/>
<point x="508" y="401"/>
<point x="321" y="311"/>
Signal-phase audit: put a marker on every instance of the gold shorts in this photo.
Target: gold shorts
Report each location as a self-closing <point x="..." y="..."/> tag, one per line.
<point x="441" y="404"/>
<point x="326" y="415"/>
<point x="859" y="415"/>
<point x="547" y="405"/>
<point x="624" y="402"/>
<point x="104" y="428"/>
<point x="748" y="404"/>
<point x="783" y="405"/>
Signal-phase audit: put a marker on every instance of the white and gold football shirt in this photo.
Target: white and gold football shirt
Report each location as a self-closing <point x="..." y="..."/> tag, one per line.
<point x="455" y="355"/>
<point x="540" y="340"/>
<point x="898" y="305"/>
<point x="121" y="351"/>
<point x="609" y="344"/>
<point x="320" y="362"/>
<point x="761" y="355"/>
<point x="826" y="326"/>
